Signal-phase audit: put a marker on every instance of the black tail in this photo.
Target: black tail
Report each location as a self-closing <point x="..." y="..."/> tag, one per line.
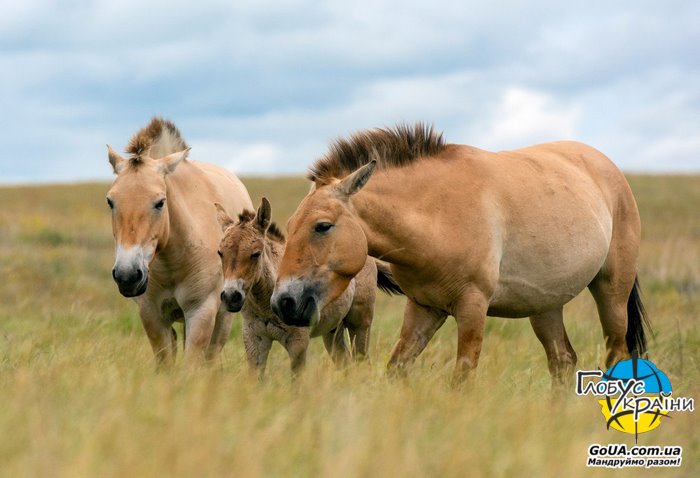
<point x="385" y="280"/>
<point x="637" y="322"/>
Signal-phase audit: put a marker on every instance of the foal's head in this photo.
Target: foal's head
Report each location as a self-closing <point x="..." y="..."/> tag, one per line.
<point x="140" y="221"/>
<point x="248" y="253"/>
<point x="326" y="248"/>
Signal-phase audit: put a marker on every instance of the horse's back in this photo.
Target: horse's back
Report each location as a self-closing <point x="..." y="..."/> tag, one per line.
<point x="585" y="161"/>
<point x="227" y="188"/>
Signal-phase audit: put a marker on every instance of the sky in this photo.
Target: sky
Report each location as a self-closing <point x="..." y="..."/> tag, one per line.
<point x="262" y="87"/>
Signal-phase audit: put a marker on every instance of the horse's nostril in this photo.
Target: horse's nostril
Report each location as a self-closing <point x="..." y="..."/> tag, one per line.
<point x="236" y="296"/>
<point x="139" y="274"/>
<point x="114" y="274"/>
<point x="223" y="295"/>
<point x="287" y="305"/>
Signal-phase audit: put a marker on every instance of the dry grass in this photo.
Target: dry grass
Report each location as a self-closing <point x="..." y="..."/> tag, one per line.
<point x="80" y="397"/>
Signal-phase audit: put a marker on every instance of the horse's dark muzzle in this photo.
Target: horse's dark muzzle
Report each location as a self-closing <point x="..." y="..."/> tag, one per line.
<point x="295" y="312"/>
<point x="233" y="300"/>
<point x="132" y="282"/>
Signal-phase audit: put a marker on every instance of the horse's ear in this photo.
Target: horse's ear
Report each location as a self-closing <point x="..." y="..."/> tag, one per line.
<point x="356" y="181"/>
<point x="114" y="159"/>
<point x="169" y="163"/>
<point x="262" y="218"/>
<point x="222" y="216"/>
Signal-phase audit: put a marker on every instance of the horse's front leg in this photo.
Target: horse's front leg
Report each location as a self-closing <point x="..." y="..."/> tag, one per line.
<point x="222" y="329"/>
<point x="160" y="334"/>
<point x="419" y="325"/>
<point x="200" y="320"/>
<point x="470" y="314"/>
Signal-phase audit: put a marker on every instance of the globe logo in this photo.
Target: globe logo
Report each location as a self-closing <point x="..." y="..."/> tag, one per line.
<point x="642" y="407"/>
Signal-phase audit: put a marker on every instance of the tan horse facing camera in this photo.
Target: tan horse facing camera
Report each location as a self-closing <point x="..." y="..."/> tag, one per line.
<point x="250" y="251"/>
<point x="468" y="233"/>
<point x="166" y="235"/>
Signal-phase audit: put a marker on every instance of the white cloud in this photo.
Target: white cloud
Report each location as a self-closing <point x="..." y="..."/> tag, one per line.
<point x="523" y="117"/>
<point x="273" y="82"/>
<point x="241" y="158"/>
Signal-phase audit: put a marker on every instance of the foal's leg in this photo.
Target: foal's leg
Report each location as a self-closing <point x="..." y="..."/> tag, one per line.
<point x="160" y="334"/>
<point x="257" y="348"/>
<point x="359" y="318"/>
<point x="359" y="324"/>
<point x="419" y="325"/>
<point x="561" y="357"/>
<point x="220" y="335"/>
<point x="296" y="343"/>
<point x="334" y="341"/>
<point x="359" y="340"/>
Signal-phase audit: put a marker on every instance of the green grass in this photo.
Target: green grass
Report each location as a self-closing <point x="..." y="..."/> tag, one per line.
<point x="80" y="396"/>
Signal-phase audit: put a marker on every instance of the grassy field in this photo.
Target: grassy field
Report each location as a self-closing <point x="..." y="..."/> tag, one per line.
<point x="80" y="396"/>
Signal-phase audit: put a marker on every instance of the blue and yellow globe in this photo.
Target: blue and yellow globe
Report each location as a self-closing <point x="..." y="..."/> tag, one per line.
<point x="655" y="382"/>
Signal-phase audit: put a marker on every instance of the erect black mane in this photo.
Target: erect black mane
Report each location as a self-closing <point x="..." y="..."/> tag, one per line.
<point x="391" y="147"/>
<point x="160" y="134"/>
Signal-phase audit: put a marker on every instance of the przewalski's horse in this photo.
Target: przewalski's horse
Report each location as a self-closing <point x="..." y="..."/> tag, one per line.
<point x="250" y="251"/>
<point x="166" y="240"/>
<point x="468" y="233"/>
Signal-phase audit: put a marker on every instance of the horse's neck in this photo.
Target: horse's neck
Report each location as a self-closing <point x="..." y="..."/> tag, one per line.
<point x="375" y="208"/>
<point x="186" y="224"/>
<point x="186" y="187"/>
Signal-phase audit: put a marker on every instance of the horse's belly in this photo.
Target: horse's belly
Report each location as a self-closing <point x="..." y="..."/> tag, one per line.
<point x="518" y="297"/>
<point x="552" y="249"/>
<point x="529" y="284"/>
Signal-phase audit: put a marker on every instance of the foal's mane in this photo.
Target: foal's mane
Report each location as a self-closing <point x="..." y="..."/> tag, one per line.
<point x="160" y="138"/>
<point x="391" y="147"/>
<point x="272" y="231"/>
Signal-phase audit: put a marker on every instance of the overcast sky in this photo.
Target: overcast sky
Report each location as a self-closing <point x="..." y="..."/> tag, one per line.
<point x="261" y="87"/>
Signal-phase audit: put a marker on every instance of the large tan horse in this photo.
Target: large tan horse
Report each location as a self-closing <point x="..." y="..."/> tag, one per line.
<point x="251" y="250"/>
<point x="166" y="233"/>
<point x="469" y="233"/>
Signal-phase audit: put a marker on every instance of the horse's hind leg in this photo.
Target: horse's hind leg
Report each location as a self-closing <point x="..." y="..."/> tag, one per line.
<point x="561" y="357"/>
<point x="612" y="286"/>
<point x="611" y="290"/>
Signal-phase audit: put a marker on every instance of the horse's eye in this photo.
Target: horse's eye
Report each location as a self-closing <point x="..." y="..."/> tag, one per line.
<point x="255" y="255"/>
<point x="159" y="205"/>
<point x="110" y="203"/>
<point x="323" y="227"/>
<point x="221" y="254"/>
